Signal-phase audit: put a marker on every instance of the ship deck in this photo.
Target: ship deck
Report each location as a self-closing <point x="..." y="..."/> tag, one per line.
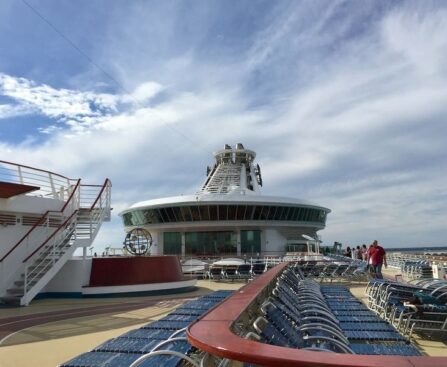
<point x="52" y="331"/>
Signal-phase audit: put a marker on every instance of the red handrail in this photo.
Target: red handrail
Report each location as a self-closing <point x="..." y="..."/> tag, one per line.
<point x="50" y="237"/>
<point x="213" y="333"/>
<point x="68" y="219"/>
<point x="100" y="192"/>
<point x="40" y="221"/>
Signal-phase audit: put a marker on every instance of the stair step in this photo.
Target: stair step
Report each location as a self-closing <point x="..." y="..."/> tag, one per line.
<point x="15" y="291"/>
<point x="10" y="300"/>
<point x="32" y="268"/>
<point x="76" y="234"/>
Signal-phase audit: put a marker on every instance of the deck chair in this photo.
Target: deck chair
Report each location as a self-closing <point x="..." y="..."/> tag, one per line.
<point x="244" y="271"/>
<point x="230" y="272"/>
<point x="216" y="273"/>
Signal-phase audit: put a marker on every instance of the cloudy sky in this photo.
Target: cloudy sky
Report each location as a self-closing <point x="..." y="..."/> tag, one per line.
<point x="345" y="102"/>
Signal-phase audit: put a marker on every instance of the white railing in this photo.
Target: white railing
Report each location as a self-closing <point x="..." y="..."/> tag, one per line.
<point x="39" y="263"/>
<point x="82" y="224"/>
<point x="49" y="184"/>
<point x="56" y="233"/>
<point x="97" y="199"/>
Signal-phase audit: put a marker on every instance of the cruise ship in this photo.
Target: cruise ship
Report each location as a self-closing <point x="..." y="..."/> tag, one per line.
<point x="308" y="310"/>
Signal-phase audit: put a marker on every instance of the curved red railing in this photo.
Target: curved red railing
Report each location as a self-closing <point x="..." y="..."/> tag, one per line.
<point x="42" y="219"/>
<point x="212" y="333"/>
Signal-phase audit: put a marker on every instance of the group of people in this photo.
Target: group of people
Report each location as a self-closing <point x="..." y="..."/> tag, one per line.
<point x="375" y="256"/>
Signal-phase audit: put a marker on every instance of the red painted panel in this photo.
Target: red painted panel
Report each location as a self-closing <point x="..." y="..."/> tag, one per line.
<point x="8" y="189"/>
<point x="112" y="271"/>
<point x="212" y="333"/>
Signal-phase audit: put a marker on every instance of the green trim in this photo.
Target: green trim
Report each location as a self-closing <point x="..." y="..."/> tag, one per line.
<point x="160" y="292"/>
<point x="59" y="295"/>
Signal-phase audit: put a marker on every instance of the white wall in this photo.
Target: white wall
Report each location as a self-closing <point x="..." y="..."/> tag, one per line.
<point x="73" y="275"/>
<point x="29" y="204"/>
<point x="157" y="243"/>
<point x="10" y="235"/>
<point x="22" y="205"/>
<point x="274" y="242"/>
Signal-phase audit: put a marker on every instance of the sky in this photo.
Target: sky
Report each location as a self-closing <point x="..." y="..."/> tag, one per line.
<point x="344" y="102"/>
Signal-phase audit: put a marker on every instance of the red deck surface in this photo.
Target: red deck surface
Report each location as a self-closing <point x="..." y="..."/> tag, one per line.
<point x="212" y="333"/>
<point x="8" y="189"/>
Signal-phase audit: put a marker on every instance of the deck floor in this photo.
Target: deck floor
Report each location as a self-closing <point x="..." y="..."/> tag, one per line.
<point x="53" y="342"/>
<point x="28" y="335"/>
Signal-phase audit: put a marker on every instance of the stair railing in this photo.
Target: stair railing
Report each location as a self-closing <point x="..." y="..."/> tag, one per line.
<point x="40" y="261"/>
<point x="98" y="209"/>
<point x="63" y="237"/>
<point x="38" y="234"/>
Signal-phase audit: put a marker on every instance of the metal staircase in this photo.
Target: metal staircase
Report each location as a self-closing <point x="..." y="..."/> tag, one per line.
<point x="233" y="172"/>
<point x="45" y="249"/>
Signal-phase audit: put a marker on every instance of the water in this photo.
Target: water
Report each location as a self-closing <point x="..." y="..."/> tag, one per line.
<point x="438" y="250"/>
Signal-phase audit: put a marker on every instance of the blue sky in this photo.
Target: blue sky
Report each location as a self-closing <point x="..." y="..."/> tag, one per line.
<point x="345" y="103"/>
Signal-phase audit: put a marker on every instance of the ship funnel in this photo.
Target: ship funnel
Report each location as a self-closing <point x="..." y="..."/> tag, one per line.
<point x="239" y="146"/>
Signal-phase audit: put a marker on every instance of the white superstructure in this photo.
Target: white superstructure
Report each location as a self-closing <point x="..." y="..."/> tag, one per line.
<point x="228" y="215"/>
<point x="44" y="218"/>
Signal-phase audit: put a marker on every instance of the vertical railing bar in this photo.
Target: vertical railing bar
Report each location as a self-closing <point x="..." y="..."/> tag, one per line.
<point x="20" y="175"/>
<point x="53" y="189"/>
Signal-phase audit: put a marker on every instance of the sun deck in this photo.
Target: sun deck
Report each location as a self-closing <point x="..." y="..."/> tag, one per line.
<point x="223" y="332"/>
<point x="50" y="332"/>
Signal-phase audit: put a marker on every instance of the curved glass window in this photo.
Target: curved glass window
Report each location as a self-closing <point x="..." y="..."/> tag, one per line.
<point x="172" y="243"/>
<point x="210" y="243"/>
<point x="250" y="242"/>
<point x="200" y="213"/>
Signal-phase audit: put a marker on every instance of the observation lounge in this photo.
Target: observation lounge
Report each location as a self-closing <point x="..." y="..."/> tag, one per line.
<point x="228" y="215"/>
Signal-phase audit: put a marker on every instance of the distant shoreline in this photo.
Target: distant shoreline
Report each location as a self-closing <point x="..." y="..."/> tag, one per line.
<point x="418" y="249"/>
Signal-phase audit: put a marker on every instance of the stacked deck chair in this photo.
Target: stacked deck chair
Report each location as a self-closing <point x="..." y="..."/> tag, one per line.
<point x="158" y="343"/>
<point x="350" y="270"/>
<point x="300" y="313"/>
<point x="366" y="332"/>
<point x="419" y="308"/>
<point x="297" y="317"/>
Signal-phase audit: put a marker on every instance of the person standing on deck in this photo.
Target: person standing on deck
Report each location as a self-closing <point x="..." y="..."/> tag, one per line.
<point x="358" y="253"/>
<point x="377" y="258"/>
<point x="364" y="253"/>
<point x="354" y="252"/>
<point x="347" y="252"/>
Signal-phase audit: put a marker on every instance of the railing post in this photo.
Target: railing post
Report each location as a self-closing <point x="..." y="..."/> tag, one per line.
<point x="2" y="279"/>
<point x="47" y="225"/>
<point x="19" y="169"/>
<point x="25" y="281"/>
<point x="53" y="189"/>
<point x="91" y="226"/>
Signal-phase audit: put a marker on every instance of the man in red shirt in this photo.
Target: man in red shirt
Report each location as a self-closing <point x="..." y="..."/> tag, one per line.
<point x="377" y="258"/>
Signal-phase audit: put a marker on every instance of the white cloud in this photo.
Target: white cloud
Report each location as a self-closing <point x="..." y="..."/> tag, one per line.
<point x="8" y="110"/>
<point x="143" y="92"/>
<point x="361" y="130"/>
